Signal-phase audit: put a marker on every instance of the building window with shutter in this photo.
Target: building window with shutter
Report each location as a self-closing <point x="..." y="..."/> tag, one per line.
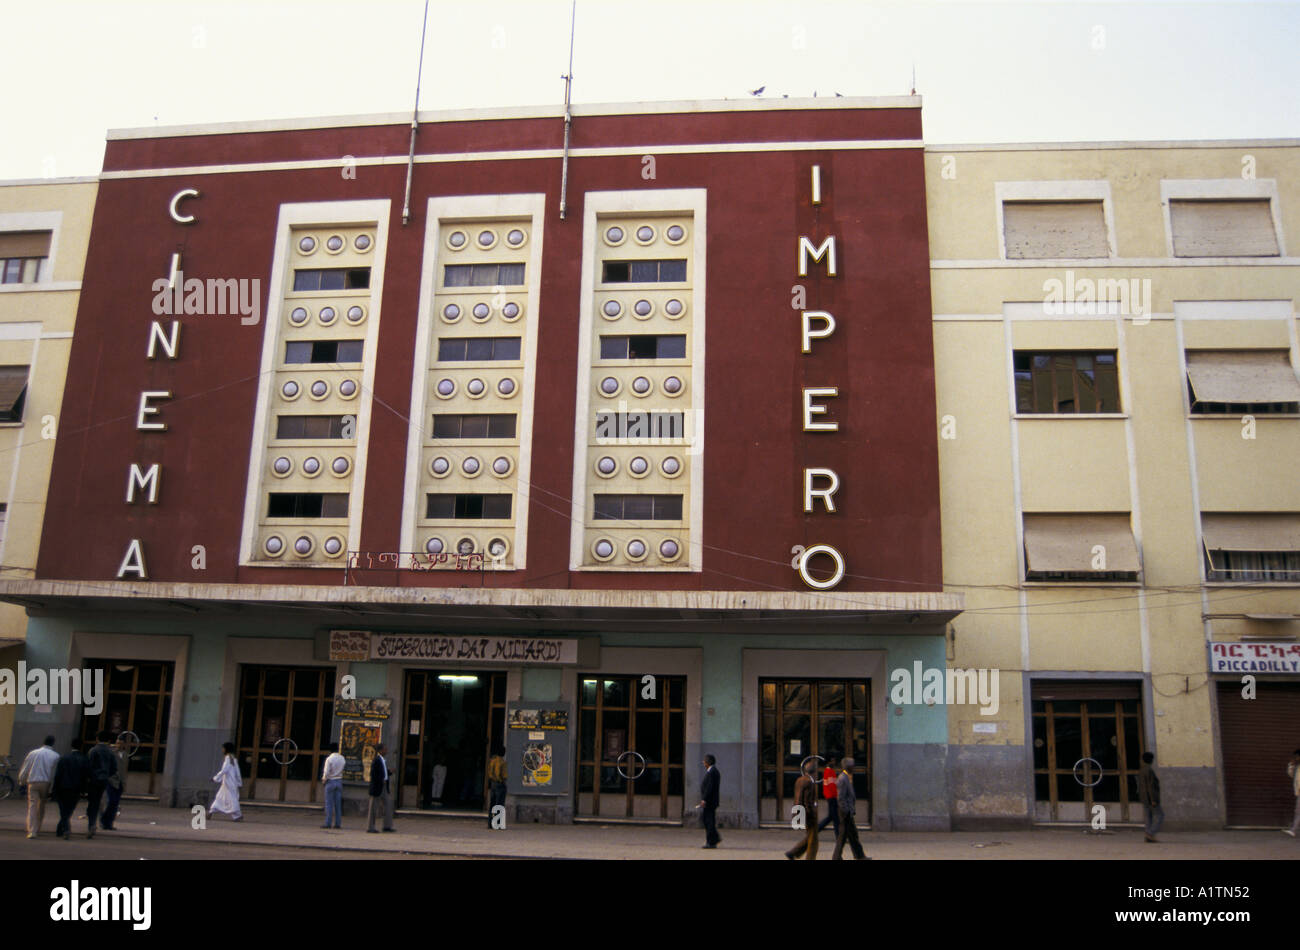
<point x="23" y="255"/>
<point x="1251" y="548"/>
<point x="1223" y="228"/>
<point x="1233" y="382"/>
<point x="1055" y="230"/>
<point x="13" y="392"/>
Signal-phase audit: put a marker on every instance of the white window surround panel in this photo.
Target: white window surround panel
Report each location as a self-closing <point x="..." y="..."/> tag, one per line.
<point x="1085" y="190"/>
<point x="324" y="213"/>
<point x="51" y="221"/>
<point x="475" y="206"/>
<point x="693" y="201"/>
<point x="1223" y="188"/>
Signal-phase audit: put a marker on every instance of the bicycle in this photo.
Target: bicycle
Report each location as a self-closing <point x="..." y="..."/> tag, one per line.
<point x="8" y="783"/>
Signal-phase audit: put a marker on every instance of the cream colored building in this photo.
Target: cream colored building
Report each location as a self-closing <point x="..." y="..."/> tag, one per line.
<point x="44" y="229"/>
<point x="1119" y="422"/>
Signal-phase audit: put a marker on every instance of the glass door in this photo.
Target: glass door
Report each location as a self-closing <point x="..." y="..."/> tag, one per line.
<point x="285" y="717"/>
<point x="136" y="709"/>
<point x="632" y="747"/>
<point x="820" y="719"/>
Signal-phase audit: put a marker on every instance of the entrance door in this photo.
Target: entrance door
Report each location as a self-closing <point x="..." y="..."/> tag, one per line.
<point x="453" y="720"/>
<point x="632" y="747"/>
<point x="1257" y="737"/>
<point x="1088" y="746"/>
<point x="136" y="709"/>
<point x="802" y="718"/>
<point x="285" y="716"/>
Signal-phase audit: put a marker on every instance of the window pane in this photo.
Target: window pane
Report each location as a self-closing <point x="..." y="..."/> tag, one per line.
<point x="288" y="427"/>
<point x="672" y="270"/>
<point x="457" y="275"/>
<point x="446" y="427"/>
<point x="644" y="271"/>
<point x="638" y="507"/>
<point x="334" y="505"/>
<point x="613" y="347"/>
<point x="358" y="278"/>
<point x="501" y="427"/>
<point x="485" y="275"/>
<point x="349" y="351"/>
<point x="297" y="352"/>
<point x="642" y="347"/>
<point x="511" y="274"/>
<point x="474" y="427"/>
<point x="331" y="280"/>
<point x="440" y="506"/>
<point x="496" y="506"/>
<point x="616" y="272"/>
<point x="306" y="280"/>
<point x="506" y="348"/>
<point x="451" y="349"/>
<point x="478" y="348"/>
<point x="608" y="508"/>
<point x="668" y="508"/>
<point x="672" y="347"/>
<point x="469" y="506"/>
<point x="1043" y="401"/>
<point x="1107" y="384"/>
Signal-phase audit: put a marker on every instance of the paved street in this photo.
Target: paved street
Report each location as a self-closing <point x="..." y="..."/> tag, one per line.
<point x="147" y="830"/>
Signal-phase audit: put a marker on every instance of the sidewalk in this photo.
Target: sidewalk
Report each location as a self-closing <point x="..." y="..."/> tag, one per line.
<point x="457" y="837"/>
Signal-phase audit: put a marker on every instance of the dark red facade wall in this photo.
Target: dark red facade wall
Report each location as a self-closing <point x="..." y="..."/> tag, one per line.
<point x="489" y="135"/>
<point x="880" y="357"/>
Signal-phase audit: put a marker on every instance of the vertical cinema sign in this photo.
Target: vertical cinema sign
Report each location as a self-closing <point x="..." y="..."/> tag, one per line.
<point x="819" y="484"/>
<point x="145" y="482"/>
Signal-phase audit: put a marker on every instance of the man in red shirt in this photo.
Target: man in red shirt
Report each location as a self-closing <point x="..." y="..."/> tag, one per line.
<point x="831" y="794"/>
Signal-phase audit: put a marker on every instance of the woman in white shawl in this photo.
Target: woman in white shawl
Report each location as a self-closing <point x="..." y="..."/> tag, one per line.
<point x="227" y="800"/>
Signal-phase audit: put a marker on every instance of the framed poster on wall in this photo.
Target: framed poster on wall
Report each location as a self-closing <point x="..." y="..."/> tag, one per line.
<point x="537" y="748"/>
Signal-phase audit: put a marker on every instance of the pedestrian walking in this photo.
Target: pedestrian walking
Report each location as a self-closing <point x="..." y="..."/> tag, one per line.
<point x="805" y="794"/>
<point x="37" y="773"/>
<point x="381" y="796"/>
<point x="103" y="768"/>
<point x="227" y="799"/>
<point x="332" y="779"/>
<point x="113" y="791"/>
<point x="71" y="779"/>
<point x="1149" y="796"/>
<point x="829" y="792"/>
<point x="1293" y="770"/>
<point x="709" y="801"/>
<point x="497" y="776"/>
<point x="848" y="803"/>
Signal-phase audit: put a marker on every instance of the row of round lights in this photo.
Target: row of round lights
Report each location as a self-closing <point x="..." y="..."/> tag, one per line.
<point x="496" y="547"/>
<point x="643" y="309"/>
<point x="475" y="388"/>
<point x="635" y="550"/>
<point x="644" y="234"/>
<point x="481" y="312"/>
<point x="304" y="546"/>
<point x="334" y="244"/>
<point x="642" y="386"/>
<point x="471" y="466"/>
<point x="319" y="389"/>
<point x="638" y="466"/>
<point x="327" y="316"/>
<point x="486" y="239"/>
<point x="311" y="466"/>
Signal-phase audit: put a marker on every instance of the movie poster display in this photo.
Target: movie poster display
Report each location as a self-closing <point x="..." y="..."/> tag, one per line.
<point x="537" y="748"/>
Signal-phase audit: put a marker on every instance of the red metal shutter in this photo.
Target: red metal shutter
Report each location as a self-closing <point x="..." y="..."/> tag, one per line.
<point x="1258" y="736"/>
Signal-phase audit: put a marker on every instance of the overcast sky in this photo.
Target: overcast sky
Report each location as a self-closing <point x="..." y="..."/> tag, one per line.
<point x="989" y="72"/>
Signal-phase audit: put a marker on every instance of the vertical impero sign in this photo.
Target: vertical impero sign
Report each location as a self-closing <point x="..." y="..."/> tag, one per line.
<point x="537" y="748"/>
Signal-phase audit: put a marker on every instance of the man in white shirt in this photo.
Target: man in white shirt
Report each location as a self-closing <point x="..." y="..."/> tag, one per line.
<point x="37" y="773"/>
<point x="333" y="779"/>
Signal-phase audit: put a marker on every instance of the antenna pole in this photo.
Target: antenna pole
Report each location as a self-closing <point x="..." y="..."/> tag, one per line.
<point x="568" y="115"/>
<point x="415" y="120"/>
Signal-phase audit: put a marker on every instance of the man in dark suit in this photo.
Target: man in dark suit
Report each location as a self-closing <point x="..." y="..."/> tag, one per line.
<point x="381" y="796"/>
<point x="71" y="776"/>
<point x="709" y="802"/>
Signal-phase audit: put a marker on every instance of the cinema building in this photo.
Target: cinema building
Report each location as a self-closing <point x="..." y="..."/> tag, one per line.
<point x="610" y="454"/>
<point x="1119" y="418"/>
